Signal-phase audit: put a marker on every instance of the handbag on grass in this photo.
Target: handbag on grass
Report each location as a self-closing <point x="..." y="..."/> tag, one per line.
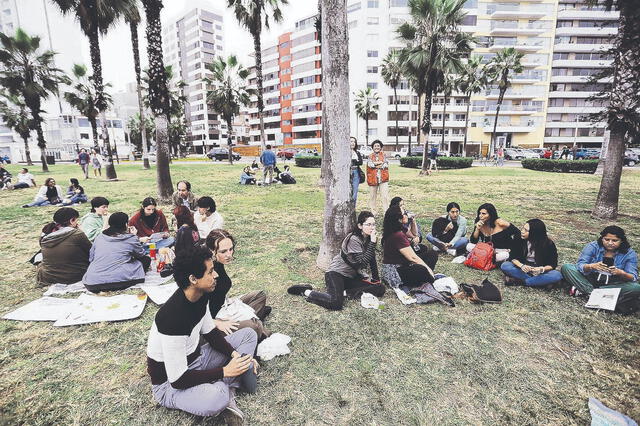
<point x="481" y="257"/>
<point x="487" y="292"/>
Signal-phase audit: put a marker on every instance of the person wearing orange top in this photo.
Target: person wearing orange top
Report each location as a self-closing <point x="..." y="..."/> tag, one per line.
<point x="378" y="177"/>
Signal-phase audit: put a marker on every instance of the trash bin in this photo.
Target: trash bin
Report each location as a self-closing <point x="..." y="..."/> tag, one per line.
<point x="51" y="159"/>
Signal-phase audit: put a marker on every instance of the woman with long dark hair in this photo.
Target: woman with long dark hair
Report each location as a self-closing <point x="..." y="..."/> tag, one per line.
<point x="151" y="224"/>
<point x="187" y="235"/>
<point x="414" y="234"/>
<point x="401" y="266"/>
<point x="49" y="194"/>
<point x="117" y="258"/>
<point x="608" y="262"/>
<point x="75" y="193"/>
<point x="356" y="162"/>
<point x="347" y="271"/>
<point x="533" y="261"/>
<point x="490" y="228"/>
<point x="65" y="249"/>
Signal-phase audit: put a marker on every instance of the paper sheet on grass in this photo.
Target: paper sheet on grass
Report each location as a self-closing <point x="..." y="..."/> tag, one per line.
<point x="43" y="309"/>
<point x="404" y="297"/>
<point x="152" y="278"/>
<point x="159" y="294"/>
<point x="89" y="309"/>
<point x="603" y="298"/>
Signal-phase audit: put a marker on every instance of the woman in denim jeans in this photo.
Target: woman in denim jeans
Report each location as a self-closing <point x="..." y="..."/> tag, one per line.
<point x="356" y="162"/>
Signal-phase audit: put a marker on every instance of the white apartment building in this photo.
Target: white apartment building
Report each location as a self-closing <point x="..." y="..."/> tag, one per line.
<point x="191" y="41"/>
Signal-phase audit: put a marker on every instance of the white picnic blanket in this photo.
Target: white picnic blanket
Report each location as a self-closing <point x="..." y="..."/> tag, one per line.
<point x="152" y="278"/>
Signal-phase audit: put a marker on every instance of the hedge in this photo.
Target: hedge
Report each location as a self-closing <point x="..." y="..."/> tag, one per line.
<point x="310" y="161"/>
<point x="443" y="162"/>
<point x="560" y="166"/>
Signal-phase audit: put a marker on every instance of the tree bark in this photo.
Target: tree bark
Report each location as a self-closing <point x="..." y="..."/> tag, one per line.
<point x="466" y="127"/>
<point x="42" y="144"/>
<point x="395" y="99"/>
<point x="339" y="214"/>
<point x="607" y="201"/>
<point x="603" y="156"/>
<point x="366" y="129"/>
<point x="495" y="122"/>
<point x="94" y="133"/>
<point x="229" y="141"/>
<point x="426" y="127"/>
<point x="258" y="53"/>
<point x="27" y="152"/>
<point x="133" y="27"/>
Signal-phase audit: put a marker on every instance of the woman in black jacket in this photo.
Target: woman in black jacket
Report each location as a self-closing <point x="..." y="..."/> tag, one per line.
<point x="534" y="259"/>
<point x="356" y="162"/>
<point x="347" y="269"/>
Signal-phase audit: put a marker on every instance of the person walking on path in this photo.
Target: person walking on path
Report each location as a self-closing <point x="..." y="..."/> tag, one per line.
<point x="268" y="160"/>
<point x="433" y="156"/>
<point x="378" y="177"/>
<point x="500" y="156"/>
<point x="96" y="163"/>
<point x="83" y="161"/>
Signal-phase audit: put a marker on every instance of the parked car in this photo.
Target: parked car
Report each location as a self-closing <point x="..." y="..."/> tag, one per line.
<point x="528" y="153"/>
<point x="306" y="152"/>
<point x="630" y="158"/>
<point x="542" y="152"/>
<point x="287" y="153"/>
<point x="365" y="151"/>
<point x="219" y="154"/>
<point x="512" y="154"/>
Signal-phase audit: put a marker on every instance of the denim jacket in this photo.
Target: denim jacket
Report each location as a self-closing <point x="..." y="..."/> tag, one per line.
<point x="593" y="252"/>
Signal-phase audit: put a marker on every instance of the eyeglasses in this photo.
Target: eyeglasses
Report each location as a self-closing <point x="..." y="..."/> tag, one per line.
<point x="368" y="224"/>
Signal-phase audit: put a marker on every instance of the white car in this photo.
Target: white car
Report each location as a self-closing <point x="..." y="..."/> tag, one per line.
<point x="527" y="153"/>
<point x="365" y="151"/>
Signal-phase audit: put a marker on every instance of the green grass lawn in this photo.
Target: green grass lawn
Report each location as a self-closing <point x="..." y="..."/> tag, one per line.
<point x="534" y="359"/>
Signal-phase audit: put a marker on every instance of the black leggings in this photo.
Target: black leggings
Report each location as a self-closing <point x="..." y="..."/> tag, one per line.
<point x="336" y="285"/>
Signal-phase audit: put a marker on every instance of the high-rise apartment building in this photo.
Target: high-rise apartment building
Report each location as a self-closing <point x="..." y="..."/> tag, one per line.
<point x="190" y="42"/>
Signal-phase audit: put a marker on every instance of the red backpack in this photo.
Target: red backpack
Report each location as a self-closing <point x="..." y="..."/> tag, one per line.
<point x="481" y="257"/>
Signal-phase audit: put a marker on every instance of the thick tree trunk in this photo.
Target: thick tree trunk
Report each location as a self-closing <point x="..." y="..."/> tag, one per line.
<point x="94" y="133"/>
<point x="339" y="212"/>
<point x="395" y="99"/>
<point x="607" y="202"/>
<point x="27" y="151"/>
<point x="495" y="123"/>
<point x="426" y="128"/>
<point x="603" y="156"/>
<point x="165" y="187"/>
<point x="42" y="144"/>
<point x="133" y="27"/>
<point x="466" y="127"/>
<point x="258" y="53"/>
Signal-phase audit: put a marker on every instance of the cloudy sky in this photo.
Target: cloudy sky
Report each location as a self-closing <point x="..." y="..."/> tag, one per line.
<point x="118" y="67"/>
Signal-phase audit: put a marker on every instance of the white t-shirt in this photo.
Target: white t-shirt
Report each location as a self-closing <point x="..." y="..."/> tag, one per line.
<point x="25" y="178"/>
<point x="206" y="224"/>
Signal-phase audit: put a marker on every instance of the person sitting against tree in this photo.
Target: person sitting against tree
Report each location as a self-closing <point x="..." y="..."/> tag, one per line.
<point x="401" y="266"/>
<point x="414" y="235"/>
<point x="75" y="193"/>
<point x="117" y="258"/>
<point x="347" y="271"/>
<point x="151" y="224"/>
<point x="490" y="228"/>
<point x="247" y="176"/>
<point x="450" y="238"/>
<point x="65" y="249"/>
<point x="207" y="218"/>
<point x="534" y="260"/>
<point x="223" y="245"/>
<point x="25" y="179"/>
<point x="608" y="262"/>
<point x="378" y="177"/>
<point x="186" y="375"/>
<point x="187" y="234"/>
<point x="49" y="194"/>
<point x="94" y="222"/>
<point x="183" y="196"/>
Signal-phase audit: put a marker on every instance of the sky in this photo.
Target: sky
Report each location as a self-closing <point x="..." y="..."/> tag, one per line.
<point x="117" y="60"/>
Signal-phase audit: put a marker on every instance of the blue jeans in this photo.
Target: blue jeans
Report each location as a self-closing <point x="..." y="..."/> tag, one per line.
<point x="39" y="203"/>
<point x="165" y="242"/>
<point x="461" y="243"/>
<point x="355" y="183"/>
<point x="79" y="198"/>
<point x="530" y="281"/>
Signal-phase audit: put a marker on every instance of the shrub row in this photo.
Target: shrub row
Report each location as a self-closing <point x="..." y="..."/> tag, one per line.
<point x="560" y="166"/>
<point x="311" y="161"/>
<point x="443" y="162"/>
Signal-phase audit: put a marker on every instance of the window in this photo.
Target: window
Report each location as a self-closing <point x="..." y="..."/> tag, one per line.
<point x="372" y="53"/>
<point x="284" y="45"/>
<point x="372" y="85"/>
<point x="373" y="132"/>
<point x="353" y="7"/>
<point x="285" y="58"/>
<point x="373" y="4"/>
<point x="398" y="3"/>
<point x="286" y="97"/>
<point x="373" y="20"/>
<point x="469" y="20"/>
<point x="372" y="70"/>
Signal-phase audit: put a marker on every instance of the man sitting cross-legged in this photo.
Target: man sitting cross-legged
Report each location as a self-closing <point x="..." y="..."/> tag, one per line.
<point x="198" y="379"/>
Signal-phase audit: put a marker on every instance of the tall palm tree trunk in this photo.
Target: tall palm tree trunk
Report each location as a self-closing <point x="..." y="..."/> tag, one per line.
<point x="395" y="98"/>
<point x="133" y="27"/>
<point x="96" y="65"/>
<point x="94" y="133"/>
<point x="426" y="128"/>
<point x="42" y="144"/>
<point x="258" y="53"/>
<point x="229" y="141"/>
<point x="444" y="119"/>
<point x="606" y="206"/>
<point x="495" y="122"/>
<point x="366" y="129"/>
<point x="466" y="127"/>
<point x="27" y="151"/>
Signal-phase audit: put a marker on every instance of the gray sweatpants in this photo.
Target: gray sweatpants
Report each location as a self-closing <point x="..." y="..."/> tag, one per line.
<point x="207" y="399"/>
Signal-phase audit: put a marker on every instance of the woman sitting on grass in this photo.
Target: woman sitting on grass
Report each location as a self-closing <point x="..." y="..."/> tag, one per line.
<point x="490" y="228"/>
<point x="49" y="194"/>
<point x="117" y="258"/>
<point x="150" y="221"/>
<point x="222" y="244"/>
<point x="65" y="249"/>
<point x="247" y="178"/>
<point x="94" y="222"/>
<point x="347" y="271"/>
<point x="75" y="193"/>
<point x="534" y="260"/>
<point x="452" y="237"/>
<point x="401" y="266"/>
<point x="187" y="235"/>
<point x="609" y="262"/>
<point x="414" y="235"/>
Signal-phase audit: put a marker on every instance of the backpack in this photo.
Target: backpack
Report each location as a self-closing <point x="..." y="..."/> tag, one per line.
<point x="487" y="292"/>
<point x="481" y="257"/>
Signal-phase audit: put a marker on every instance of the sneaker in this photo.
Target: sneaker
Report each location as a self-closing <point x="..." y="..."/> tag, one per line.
<point x="575" y="292"/>
<point x="452" y="252"/>
<point x="510" y="281"/>
<point x="299" y="289"/>
<point x="440" y="247"/>
<point x="233" y="416"/>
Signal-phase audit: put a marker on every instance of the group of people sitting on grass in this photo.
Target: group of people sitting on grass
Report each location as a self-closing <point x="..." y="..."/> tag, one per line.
<point x="247" y="177"/>
<point x="52" y="194"/>
<point x="527" y="256"/>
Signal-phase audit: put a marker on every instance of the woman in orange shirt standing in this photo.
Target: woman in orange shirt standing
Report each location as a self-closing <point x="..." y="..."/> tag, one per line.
<point x="378" y="177"/>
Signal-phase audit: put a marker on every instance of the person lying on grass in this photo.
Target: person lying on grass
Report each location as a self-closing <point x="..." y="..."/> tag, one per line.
<point x="608" y="262"/>
<point x="534" y="260"/>
<point x="185" y="375"/>
<point x="347" y="271"/>
<point x="223" y="245"/>
<point x="489" y="227"/>
<point x="401" y="266"/>
<point x="414" y="235"/>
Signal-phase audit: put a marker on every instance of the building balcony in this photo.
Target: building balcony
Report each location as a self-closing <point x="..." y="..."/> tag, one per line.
<point x="437" y="124"/>
<point x="587" y="14"/>
<point x="576" y="63"/>
<point x="512" y="94"/>
<point x="572" y="139"/>
<point x="510" y="127"/>
<point x="310" y="58"/>
<point x="436" y="108"/>
<point x="586" y="31"/>
<point x="519" y="47"/>
<point x="573" y="125"/>
<point x="307" y="128"/>
<point x="500" y="29"/>
<point x="297" y="141"/>
<point x="565" y="94"/>
<point x="572" y="110"/>
<point x="520" y="13"/>
<point x="511" y="110"/>
<point x="308" y="114"/>
<point x="581" y="48"/>
<point x="312" y="100"/>
<point x="311" y="86"/>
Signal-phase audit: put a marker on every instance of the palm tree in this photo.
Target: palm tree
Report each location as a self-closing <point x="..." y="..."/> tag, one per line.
<point x="448" y="85"/>
<point x="366" y="106"/>
<point x="83" y="98"/>
<point x="30" y="74"/>
<point x="392" y="75"/>
<point x="434" y="45"/>
<point x="339" y="213"/>
<point x="228" y="91"/>
<point x="15" y="116"/>
<point x="253" y="14"/>
<point x="134" y="130"/>
<point x="96" y="17"/>
<point x="132" y="17"/>
<point x="506" y="62"/>
<point x="158" y="96"/>
<point x="623" y="111"/>
<point x="471" y="80"/>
